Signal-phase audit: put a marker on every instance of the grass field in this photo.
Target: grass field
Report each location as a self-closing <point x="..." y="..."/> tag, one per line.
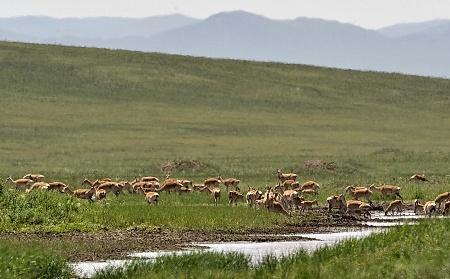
<point x="71" y="113"/>
<point x="406" y="252"/>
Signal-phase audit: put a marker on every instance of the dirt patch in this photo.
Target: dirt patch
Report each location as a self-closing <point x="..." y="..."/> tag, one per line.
<point x="182" y="165"/>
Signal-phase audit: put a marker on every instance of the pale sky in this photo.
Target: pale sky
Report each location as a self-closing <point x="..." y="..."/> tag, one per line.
<point x="366" y="13"/>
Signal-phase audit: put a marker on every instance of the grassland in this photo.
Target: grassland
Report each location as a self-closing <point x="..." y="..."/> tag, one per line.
<point x="406" y="252"/>
<point x="71" y="113"/>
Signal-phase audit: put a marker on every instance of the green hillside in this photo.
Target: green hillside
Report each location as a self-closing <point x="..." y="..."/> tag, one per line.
<point x="73" y="112"/>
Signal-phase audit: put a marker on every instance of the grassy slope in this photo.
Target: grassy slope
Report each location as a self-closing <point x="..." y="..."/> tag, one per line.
<point x="406" y="252"/>
<point x="75" y="112"/>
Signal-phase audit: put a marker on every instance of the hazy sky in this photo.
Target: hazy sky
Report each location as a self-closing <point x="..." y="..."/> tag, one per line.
<point x="367" y="13"/>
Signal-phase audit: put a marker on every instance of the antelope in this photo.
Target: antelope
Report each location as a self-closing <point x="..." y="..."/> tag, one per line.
<point x="170" y="186"/>
<point x="215" y="193"/>
<point x="197" y="187"/>
<point x="100" y="194"/>
<point x="185" y="183"/>
<point x="310" y="185"/>
<point x="252" y="196"/>
<point x="387" y="190"/>
<point x="418" y="206"/>
<point x="337" y="202"/>
<point x="212" y="182"/>
<point x="442" y="198"/>
<point x="22" y="182"/>
<point x="446" y="210"/>
<point x="308" y="204"/>
<point x="359" y="193"/>
<point x="290" y="184"/>
<point x="93" y="183"/>
<point x="272" y="205"/>
<point x="110" y="187"/>
<point x="147" y="185"/>
<point x="430" y="208"/>
<point x="309" y="192"/>
<point x="291" y="199"/>
<point x="419" y="177"/>
<point x="34" y="177"/>
<point x="152" y="197"/>
<point x="394" y="205"/>
<point x="234" y="196"/>
<point x="125" y="185"/>
<point x="285" y="176"/>
<point x="61" y="187"/>
<point x="87" y="194"/>
<point x="354" y="206"/>
<point x="229" y="182"/>
<point x="364" y="209"/>
<point x="38" y="186"/>
<point x="149" y="179"/>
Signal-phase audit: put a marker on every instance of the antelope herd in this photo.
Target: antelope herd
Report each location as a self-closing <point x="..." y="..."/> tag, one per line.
<point x="286" y="197"/>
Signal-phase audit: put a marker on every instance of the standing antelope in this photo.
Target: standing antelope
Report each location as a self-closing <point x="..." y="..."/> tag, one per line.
<point x="170" y="186"/>
<point x="38" y="186"/>
<point x="430" y="208"/>
<point x="22" y="182"/>
<point x="337" y="202"/>
<point x="387" y="190"/>
<point x="87" y="194"/>
<point x="100" y="194"/>
<point x="212" y="182"/>
<point x="110" y="187"/>
<point x="419" y="177"/>
<point x="252" y="196"/>
<point x="358" y="193"/>
<point x="285" y="176"/>
<point x="229" y="182"/>
<point x="59" y="186"/>
<point x="234" y="196"/>
<point x="149" y="179"/>
<point x="308" y="205"/>
<point x="215" y="194"/>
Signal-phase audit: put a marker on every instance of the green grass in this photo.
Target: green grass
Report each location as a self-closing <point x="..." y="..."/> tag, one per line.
<point x="19" y="260"/>
<point x="71" y="113"/>
<point x="405" y="252"/>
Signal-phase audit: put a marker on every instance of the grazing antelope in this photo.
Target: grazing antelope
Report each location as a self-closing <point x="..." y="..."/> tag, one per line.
<point x="38" y="186"/>
<point x="229" y="182"/>
<point x="87" y="194"/>
<point x="442" y="198"/>
<point x="100" y="194"/>
<point x="290" y="184"/>
<point x="215" y="194"/>
<point x="170" y="186"/>
<point x="291" y="199"/>
<point x="212" y="183"/>
<point x="110" y="187"/>
<point x="359" y="207"/>
<point x="394" y="205"/>
<point x="359" y="193"/>
<point x="252" y="196"/>
<point x="419" y="177"/>
<point x="446" y="210"/>
<point x="35" y="177"/>
<point x="430" y="208"/>
<point x="387" y="190"/>
<point x="337" y="202"/>
<point x="285" y="176"/>
<point x="185" y="183"/>
<point x="22" y="182"/>
<point x="310" y="185"/>
<point x="308" y="205"/>
<point x="234" y="196"/>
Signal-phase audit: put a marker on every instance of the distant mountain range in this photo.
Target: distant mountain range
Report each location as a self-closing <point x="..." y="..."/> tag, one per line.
<point x="414" y="48"/>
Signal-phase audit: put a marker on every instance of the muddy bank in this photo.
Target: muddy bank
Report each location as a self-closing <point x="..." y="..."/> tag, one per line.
<point x="118" y="244"/>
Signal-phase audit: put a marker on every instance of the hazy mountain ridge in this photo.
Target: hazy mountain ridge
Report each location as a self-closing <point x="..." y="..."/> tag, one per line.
<point x="416" y="48"/>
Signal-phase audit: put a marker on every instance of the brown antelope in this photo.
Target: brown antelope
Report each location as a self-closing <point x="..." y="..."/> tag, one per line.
<point x="185" y="183"/>
<point x="234" y="196"/>
<point x="38" y="186"/>
<point x="290" y="184"/>
<point x="358" y="207"/>
<point x="310" y="185"/>
<point x="309" y="192"/>
<point x="59" y="186"/>
<point x="394" y="205"/>
<point x="286" y="176"/>
<point x="152" y="197"/>
<point x="291" y="199"/>
<point x="359" y="193"/>
<point x="170" y="186"/>
<point x="387" y="190"/>
<point x="125" y="186"/>
<point x="229" y="182"/>
<point x="308" y="205"/>
<point x="272" y="205"/>
<point x="212" y="183"/>
<point x="100" y="194"/>
<point x="419" y="177"/>
<point x="197" y="187"/>
<point x="442" y="198"/>
<point x="22" y="182"/>
<point x="252" y="196"/>
<point x="418" y="206"/>
<point x="446" y="210"/>
<point x="149" y="179"/>
<point x="35" y="177"/>
<point x="215" y="194"/>
<point x="430" y="208"/>
<point x="337" y="202"/>
<point x="87" y="194"/>
<point x="110" y="187"/>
